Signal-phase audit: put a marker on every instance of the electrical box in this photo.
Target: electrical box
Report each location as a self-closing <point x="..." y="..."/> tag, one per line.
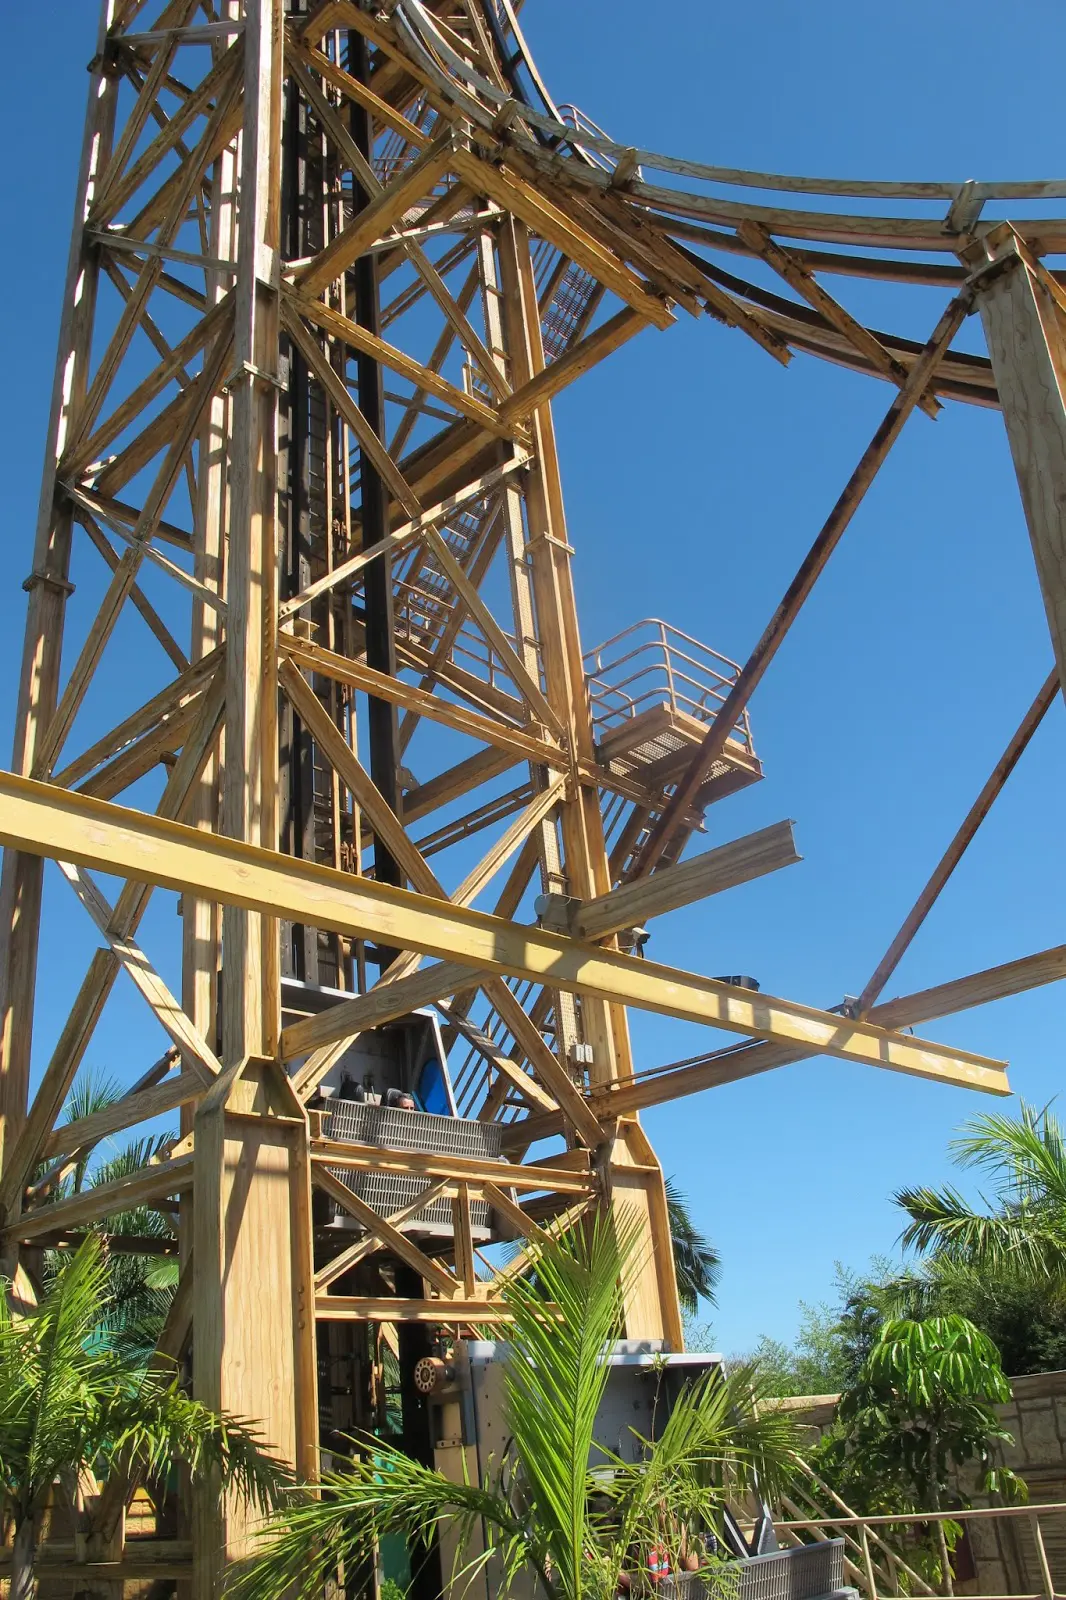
<point x="471" y="1437"/>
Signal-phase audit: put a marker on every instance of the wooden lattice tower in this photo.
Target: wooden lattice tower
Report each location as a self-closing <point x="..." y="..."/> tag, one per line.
<point x="330" y="266"/>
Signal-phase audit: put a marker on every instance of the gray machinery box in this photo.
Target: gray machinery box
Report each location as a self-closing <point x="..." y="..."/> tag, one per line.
<point x="470" y="1430"/>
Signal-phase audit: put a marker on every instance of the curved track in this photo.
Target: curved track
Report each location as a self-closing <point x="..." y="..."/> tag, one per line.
<point x="680" y="201"/>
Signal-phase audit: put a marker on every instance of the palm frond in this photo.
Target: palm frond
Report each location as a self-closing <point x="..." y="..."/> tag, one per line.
<point x="697" y="1263"/>
<point x="556" y="1377"/>
<point x="92" y="1092"/>
<point x="720" y="1436"/>
<point x="1027" y="1153"/>
<point x="62" y="1329"/>
<point x="944" y="1224"/>
<point x="153" y="1424"/>
<point x="382" y="1491"/>
<point x="71" y="1396"/>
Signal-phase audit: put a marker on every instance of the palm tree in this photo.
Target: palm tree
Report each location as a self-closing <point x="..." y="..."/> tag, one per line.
<point x="543" y="1512"/>
<point x="697" y="1263"/>
<point x="1021" y="1231"/>
<point x="71" y="1400"/>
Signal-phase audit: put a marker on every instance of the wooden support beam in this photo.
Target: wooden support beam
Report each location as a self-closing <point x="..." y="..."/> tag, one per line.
<point x="156" y="746"/>
<point x="456" y="781"/>
<point x="337" y="392"/>
<point x="59" y="1074"/>
<point x="722" y="868"/>
<point x="374" y="221"/>
<point x="182" y="1090"/>
<point x="958" y="846"/>
<point x="499" y="1060"/>
<point x="124" y="1194"/>
<point x="476" y="1313"/>
<point x="727" y="1066"/>
<point x="546" y="1065"/>
<point x="198" y="396"/>
<point x="511" y="1212"/>
<point x="56" y="1564"/>
<point x="43" y="820"/>
<point x="166" y="1009"/>
<point x="139" y="599"/>
<point x="302" y="59"/>
<point x="188" y="684"/>
<point x="342" y="669"/>
<point x="558" y="1179"/>
<point x="519" y="1264"/>
<point x="149" y="388"/>
<point x="580" y="358"/>
<point x="515" y="195"/>
<point x="788" y="264"/>
<point x="463" y="1236"/>
<point x="391" y="1237"/>
<point x="384" y="1003"/>
<point x="103" y="970"/>
<point x="515" y="835"/>
<point x="406" y="533"/>
<point x="373" y="1241"/>
<point x="505" y="651"/>
<point x="299" y="49"/>
<point x="977" y="989"/>
<point x="349" y="333"/>
<point x="876" y="453"/>
<point x="1024" y="314"/>
<point x="45" y="1182"/>
<point x="346" y="764"/>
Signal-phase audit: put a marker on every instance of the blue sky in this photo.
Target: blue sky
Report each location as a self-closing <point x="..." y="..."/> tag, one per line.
<point x="696" y="472"/>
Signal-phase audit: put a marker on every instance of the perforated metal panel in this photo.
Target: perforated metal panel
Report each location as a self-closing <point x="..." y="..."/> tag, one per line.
<point x="810" y="1572"/>
<point x="387" y="1127"/>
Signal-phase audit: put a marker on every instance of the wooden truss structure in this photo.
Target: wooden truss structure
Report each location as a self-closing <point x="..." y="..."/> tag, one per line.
<point x="330" y="266"/>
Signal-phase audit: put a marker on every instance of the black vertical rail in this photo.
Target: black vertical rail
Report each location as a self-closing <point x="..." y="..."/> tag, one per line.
<point x="299" y="955"/>
<point x="380" y="644"/>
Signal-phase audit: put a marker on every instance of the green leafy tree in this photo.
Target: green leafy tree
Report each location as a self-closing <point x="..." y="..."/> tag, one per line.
<point x="697" y="1263"/>
<point x="831" y="1346"/>
<point x="71" y="1399"/>
<point x="544" y="1512"/>
<point x="1021" y="1314"/>
<point x="920" y="1411"/>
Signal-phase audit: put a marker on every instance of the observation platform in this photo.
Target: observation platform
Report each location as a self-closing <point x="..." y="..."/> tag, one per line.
<point x="653" y="693"/>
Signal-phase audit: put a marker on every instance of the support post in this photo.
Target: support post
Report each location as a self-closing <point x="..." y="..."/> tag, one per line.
<point x="1023" y="311"/>
<point x="251" y="1201"/>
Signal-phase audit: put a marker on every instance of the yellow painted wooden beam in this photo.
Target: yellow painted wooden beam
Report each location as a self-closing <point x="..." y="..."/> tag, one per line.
<point x="42" y="820"/>
<point x="475" y="1170"/>
<point x="344" y="1308"/>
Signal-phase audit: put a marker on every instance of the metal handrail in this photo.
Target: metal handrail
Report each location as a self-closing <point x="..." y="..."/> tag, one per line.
<point x="652" y="663"/>
<point x="860" y="1525"/>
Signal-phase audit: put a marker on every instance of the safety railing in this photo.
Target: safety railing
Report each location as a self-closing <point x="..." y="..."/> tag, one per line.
<point x="421" y="614"/>
<point x="651" y="664"/>
<point x="879" y="1569"/>
<point x="581" y="122"/>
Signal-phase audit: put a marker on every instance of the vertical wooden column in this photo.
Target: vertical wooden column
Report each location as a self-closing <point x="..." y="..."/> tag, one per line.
<point x="251" y="756"/>
<point x="48" y="586"/>
<point x="1024" y="314"/>
<point x="552" y="876"/>
<point x="635" y="1182"/>
<point x="252" y="1223"/>
<point x="201" y="920"/>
